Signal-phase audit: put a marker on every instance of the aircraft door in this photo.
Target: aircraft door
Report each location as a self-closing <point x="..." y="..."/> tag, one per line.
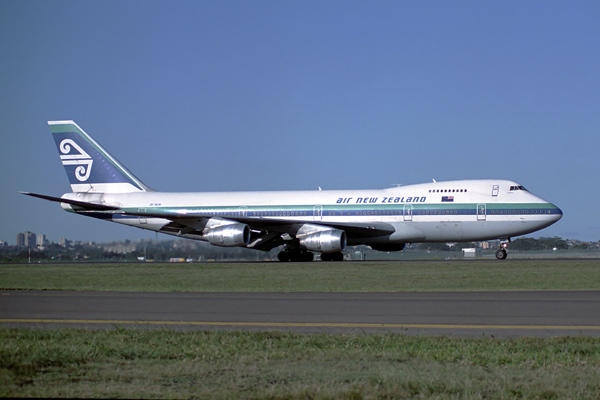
<point x="317" y="213"/>
<point x="243" y="211"/>
<point x="142" y="219"/>
<point x="408" y="211"/>
<point x="480" y="212"/>
<point x="495" y="190"/>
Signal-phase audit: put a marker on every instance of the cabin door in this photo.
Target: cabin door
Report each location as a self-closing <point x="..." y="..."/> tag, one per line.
<point x="317" y="213"/>
<point x="408" y="211"/>
<point x="142" y="219"/>
<point x="480" y="212"/>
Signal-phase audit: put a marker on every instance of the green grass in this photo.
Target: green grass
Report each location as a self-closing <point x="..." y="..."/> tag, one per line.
<point x="130" y="363"/>
<point x="381" y="276"/>
<point x="277" y="365"/>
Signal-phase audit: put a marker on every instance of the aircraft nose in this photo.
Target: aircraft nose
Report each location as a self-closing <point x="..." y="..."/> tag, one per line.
<point x="555" y="213"/>
<point x="550" y="215"/>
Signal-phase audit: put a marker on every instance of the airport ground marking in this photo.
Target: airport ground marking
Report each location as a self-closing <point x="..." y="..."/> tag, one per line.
<point x="298" y="324"/>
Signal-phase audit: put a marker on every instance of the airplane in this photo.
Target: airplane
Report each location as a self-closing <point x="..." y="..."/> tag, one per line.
<point x="303" y="222"/>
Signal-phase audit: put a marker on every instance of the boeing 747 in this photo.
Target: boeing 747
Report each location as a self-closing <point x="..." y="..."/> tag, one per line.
<point x="303" y="222"/>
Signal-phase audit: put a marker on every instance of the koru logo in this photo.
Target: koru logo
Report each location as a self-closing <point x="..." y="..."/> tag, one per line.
<point x="69" y="156"/>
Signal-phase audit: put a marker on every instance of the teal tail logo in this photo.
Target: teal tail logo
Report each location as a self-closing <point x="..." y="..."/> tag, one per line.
<point x="90" y="168"/>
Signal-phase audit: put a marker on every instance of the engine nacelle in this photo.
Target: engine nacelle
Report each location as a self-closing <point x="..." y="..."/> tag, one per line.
<point x="330" y="241"/>
<point x="231" y="235"/>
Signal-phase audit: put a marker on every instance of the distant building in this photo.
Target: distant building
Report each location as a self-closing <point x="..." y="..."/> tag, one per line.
<point x="3" y="243"/>
<point x="30" y="239"/>
<point x="125" y="247"/>
<point x="20" y="240"/>
<point x="471" y="252"/>
<point x="41" y="240"/>
<point x="64" y="242"/>
<point x="26" y="239"/>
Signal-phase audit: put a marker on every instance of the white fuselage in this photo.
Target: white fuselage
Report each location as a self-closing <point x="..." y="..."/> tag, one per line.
<point x="431" y="212"/>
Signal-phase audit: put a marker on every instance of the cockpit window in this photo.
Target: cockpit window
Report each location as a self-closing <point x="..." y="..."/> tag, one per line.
<point x="518" y="188"/>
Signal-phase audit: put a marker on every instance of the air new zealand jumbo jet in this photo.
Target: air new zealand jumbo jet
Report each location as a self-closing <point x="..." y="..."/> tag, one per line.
<point x="303" y="222"/>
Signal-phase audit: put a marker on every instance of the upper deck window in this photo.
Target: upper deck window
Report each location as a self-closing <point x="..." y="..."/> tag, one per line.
<point x="518" y="188"/>
<point x="447" y="190"/>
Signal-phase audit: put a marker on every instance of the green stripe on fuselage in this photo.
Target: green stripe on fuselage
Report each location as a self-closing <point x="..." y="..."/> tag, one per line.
<point x="309" y="210"/>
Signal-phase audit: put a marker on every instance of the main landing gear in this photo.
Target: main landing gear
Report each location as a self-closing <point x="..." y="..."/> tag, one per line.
<point x="295" y="256"/>
<point x="304" y="255"/>
<point x="294" y="253"/>
<point x="501" y="253"/>
<point x="339" y="256"/>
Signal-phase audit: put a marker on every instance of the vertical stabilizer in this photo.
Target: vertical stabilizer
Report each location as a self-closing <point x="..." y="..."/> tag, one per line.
<point x="90" y="168"/>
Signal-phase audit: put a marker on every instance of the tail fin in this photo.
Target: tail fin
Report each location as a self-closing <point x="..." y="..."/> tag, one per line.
<point x="89" y="167"/>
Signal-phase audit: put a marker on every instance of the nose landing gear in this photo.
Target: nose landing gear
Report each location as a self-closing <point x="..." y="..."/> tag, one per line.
<point x="501" y="253"/>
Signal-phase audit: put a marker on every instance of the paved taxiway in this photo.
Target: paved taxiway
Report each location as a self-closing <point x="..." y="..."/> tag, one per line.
<point x="502" y="314"/>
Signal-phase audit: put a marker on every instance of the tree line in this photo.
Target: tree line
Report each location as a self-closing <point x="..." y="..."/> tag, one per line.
<point x="522" y="244"/>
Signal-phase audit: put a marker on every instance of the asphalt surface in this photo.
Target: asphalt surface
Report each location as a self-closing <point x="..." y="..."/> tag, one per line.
<point x="460" y="314"/>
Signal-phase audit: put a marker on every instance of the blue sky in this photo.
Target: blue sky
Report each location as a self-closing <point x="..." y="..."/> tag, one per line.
<point x="280" y="95"/>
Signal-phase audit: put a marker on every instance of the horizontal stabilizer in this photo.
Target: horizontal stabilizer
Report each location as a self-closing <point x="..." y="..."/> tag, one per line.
<point x="83" y="204"/>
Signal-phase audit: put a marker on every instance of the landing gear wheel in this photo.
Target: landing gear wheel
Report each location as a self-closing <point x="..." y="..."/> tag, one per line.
<point x="284" y="256"/>
<point x="501" y="254"/>
<point x="307" y="256"/>
<point x="295" y="256"/>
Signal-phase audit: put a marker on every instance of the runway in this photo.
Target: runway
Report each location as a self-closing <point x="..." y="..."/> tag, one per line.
<point x="459" y="314"/>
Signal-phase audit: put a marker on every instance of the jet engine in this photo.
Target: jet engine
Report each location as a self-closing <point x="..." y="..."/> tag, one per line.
<point x="329" y="241"/>
<point x="231" y="235"/>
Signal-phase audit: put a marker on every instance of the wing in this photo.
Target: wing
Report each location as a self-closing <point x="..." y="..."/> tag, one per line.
<point x="266" y="232"/>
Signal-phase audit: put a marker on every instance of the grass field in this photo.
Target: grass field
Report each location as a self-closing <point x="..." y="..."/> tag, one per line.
<point x="275" y="365"/>
<point x="380" y="276"/>
<point x="130" y="363"/>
